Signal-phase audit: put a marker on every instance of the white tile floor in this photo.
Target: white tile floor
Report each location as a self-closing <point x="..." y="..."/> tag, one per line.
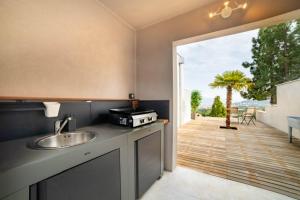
<point x="188" y="184"/>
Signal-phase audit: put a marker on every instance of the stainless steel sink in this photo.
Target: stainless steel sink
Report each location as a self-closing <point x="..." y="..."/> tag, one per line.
<point x="63" y="140"/>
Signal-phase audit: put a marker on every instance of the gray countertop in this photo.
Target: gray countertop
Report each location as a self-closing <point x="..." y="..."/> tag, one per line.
<point x="19" y="162"/>
<point x="15" y="153"/>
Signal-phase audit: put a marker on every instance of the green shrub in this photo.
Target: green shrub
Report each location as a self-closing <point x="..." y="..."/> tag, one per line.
<point x="205" y="112"/>
<point x="218" y="109"/>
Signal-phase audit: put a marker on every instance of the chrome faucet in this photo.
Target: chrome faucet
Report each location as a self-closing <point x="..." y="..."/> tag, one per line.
<point x="58" y="127"/>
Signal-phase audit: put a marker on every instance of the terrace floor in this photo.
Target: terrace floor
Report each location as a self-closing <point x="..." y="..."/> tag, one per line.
<point x="255" y="155"/>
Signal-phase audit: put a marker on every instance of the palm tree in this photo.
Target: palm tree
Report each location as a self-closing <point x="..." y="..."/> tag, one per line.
<point x="231" y="80"/>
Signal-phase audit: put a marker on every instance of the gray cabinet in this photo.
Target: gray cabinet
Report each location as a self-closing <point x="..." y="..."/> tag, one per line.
<point x="148" y="162"/>
<point x="96" y="179"/>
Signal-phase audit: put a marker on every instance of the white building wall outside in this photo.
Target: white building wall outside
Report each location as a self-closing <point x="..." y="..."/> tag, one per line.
<point x="184" y="95"/>
<point x="288" y="104"/>
<point x="186" y="106"/>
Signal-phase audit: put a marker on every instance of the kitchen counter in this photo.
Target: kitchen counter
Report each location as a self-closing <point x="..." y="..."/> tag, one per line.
<point x="21" y="166"/>
<point x="15" y="153"/>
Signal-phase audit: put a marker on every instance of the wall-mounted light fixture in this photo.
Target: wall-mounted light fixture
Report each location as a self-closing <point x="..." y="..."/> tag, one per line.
<point x="227" y="10"/>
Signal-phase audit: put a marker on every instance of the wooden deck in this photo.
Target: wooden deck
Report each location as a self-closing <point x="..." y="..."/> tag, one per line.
<point x="255" y="155"/>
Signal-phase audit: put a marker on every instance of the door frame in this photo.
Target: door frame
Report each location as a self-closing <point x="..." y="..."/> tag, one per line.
<point x="233" y="30"/>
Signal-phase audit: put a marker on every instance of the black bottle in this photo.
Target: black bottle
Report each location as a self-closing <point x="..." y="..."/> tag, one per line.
<point x="71" y="126"/>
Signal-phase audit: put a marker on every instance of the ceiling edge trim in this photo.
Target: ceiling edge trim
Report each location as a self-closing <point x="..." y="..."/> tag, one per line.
<point x="115" y="15"/>
<point x="169" y="17"/>
<point x="156" y="22"/>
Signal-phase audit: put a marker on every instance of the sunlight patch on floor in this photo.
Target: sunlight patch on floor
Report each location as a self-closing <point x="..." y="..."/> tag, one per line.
<point x="188" y="184"/>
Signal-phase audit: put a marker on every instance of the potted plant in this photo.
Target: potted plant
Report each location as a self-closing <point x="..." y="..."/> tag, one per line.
<point x="195" y="102"/>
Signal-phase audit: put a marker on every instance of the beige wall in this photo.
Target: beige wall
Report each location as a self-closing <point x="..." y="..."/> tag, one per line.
<point x="154" y="47"/>
<point x="64" y="48"/>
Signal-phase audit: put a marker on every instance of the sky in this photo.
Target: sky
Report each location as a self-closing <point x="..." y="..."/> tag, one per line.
<point x="204" y="60"/>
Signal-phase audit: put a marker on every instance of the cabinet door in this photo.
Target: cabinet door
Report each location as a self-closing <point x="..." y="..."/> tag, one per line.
<point x="97" y="179"/>
<point x="148" y="162"/>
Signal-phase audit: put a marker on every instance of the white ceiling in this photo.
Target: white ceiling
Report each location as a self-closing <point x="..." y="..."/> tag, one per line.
<point x="142" y="13"/>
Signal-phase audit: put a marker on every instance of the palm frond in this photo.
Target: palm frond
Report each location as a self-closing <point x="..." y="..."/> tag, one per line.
<point x="235" y="79"/>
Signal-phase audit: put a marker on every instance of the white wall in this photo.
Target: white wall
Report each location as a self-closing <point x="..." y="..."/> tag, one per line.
<point x="288" y="104"/>
<point x="179" y="66"/>
<point x="186" y="106"/>
<point x="64" y="49"/>
<point x="184" y="95"/>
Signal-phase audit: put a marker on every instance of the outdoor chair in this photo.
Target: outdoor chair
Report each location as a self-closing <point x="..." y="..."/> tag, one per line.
<point x="234" y="113"/>
<point x="249" y="115"/>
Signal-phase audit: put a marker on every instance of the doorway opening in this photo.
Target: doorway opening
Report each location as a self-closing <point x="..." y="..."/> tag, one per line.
<point x="258" y="152"/>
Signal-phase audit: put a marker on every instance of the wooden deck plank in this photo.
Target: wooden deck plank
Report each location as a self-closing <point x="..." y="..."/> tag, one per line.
<point x="256" y="155"/>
